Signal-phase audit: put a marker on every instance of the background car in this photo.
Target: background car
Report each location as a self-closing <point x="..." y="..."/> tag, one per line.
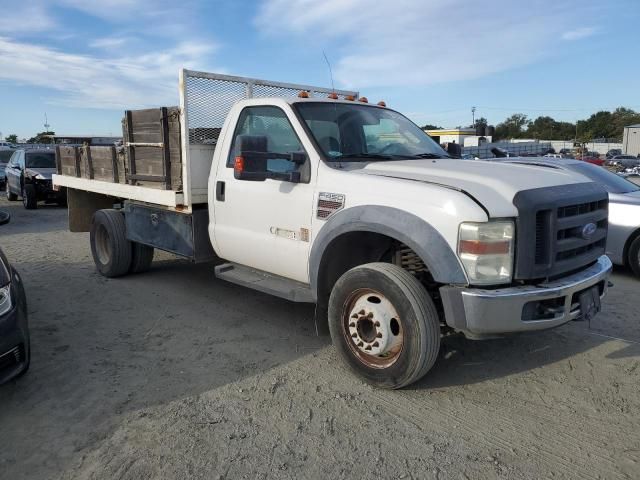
<point x="623" y="240"/>
<point x="592" y="159"/>
<point x="625" y="161"/>
<point x="29" y="176"/>
<point x="5" y="156"/>
<point x="613" y="152"/>
<point x="15" y="349"/>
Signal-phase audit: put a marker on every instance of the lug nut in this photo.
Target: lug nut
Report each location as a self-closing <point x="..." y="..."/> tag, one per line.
<point x="379" y="335"/>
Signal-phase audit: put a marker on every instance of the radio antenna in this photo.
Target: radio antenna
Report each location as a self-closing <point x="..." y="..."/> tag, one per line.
<point x="333" y="89"/>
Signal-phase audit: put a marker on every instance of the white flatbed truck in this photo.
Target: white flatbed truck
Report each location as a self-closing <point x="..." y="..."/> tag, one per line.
<point x="316" y="196"/>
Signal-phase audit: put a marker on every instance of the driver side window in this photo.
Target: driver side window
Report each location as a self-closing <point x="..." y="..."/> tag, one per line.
<point x="271" y="130"/>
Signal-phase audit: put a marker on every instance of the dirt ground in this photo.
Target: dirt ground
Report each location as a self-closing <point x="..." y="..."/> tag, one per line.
<point x="174" y="374"/>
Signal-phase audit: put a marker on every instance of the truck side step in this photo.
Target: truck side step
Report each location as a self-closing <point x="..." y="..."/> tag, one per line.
<point x="265" y="282"/>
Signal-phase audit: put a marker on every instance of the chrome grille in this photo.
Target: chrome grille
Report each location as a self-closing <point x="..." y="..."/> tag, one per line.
<point x="554" y="232"/>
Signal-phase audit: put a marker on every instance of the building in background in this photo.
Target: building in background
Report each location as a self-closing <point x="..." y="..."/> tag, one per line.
<point x="631" y="140"/>
<point x="465" y="137"/>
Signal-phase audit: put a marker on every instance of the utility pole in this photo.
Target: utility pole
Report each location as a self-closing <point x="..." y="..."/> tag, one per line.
<point x="473" y="117"/>
<point x="46" y="122"/>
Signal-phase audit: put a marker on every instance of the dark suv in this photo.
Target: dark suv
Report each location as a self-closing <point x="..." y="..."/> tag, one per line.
<point x="14" y="332"/>
<point x="29" y="176"/>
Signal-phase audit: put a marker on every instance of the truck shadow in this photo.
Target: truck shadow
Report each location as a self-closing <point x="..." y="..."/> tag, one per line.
<point x="465" y="362"/>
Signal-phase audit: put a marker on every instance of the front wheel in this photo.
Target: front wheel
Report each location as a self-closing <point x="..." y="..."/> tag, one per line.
<point x="29" y="197"/>
<point x="384" y="325"/>
<point x="633" y="256"/>
<point x="12" y="197"/>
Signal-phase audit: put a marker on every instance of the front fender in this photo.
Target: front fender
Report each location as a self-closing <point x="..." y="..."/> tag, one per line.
<point x="416" y="233"/>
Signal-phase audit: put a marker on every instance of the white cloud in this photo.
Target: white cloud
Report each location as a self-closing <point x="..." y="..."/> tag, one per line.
<point x="579" y="33"/>
<point x="145" y="80"/>
<point x="24" y="18"/>
<point x="109" y="42"/>
<point x="413" y="42"/>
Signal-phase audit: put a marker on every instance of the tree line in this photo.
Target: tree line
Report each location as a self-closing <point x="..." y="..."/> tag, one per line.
<point x="603" y="124"/>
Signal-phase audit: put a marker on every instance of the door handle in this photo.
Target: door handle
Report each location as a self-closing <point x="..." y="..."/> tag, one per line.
<point x="220" y="191"/>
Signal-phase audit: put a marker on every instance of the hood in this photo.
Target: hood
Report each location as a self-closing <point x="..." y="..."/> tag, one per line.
<point x="493" y="184"/>
<point x="629" y="198"/>
<point x="43" y="172"/>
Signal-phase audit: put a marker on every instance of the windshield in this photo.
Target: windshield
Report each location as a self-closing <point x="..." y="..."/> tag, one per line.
<point x="5" y="155"/>
<point x="352" y="132"/>
<point x="610" y="181"/>
<point x="41" y="160"/>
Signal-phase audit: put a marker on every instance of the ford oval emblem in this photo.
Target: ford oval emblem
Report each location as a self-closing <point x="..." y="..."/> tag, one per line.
<point x="588" y="230"/>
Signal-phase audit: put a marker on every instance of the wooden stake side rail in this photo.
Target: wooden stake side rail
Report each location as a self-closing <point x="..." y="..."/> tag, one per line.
<point x="167" y="198"/>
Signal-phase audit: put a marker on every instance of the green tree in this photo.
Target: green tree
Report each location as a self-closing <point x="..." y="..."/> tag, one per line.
<point x="40" y="138"/>
<point x="546" y="128"/>
<point x="512" y="127"/>
<point x="13" y="138"/>
<point x="605" y="124"/>
<point x="429" y="126"/>
<point x="480" y="122"/>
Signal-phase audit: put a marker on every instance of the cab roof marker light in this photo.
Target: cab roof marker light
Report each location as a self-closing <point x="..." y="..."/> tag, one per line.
<point x="303" y="94"/>
<point x="350" y="98"/>
<point x="363" y="100"/>
<point x="333" y="96"/>
<point x="382" y="103"/>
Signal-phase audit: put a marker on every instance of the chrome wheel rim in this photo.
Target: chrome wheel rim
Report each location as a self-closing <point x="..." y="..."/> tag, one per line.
<point x="372" y="328"/>
<point x="103" y="247"/>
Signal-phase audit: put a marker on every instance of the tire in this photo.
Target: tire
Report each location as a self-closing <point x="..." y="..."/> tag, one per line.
<point x="362" y="308"/>
<point x="633" y="256"/>
<point x="141" y="257"/>
<point x="109" y="245"/>
<point x="12" y="197"/>
<point x="29" y="197"/>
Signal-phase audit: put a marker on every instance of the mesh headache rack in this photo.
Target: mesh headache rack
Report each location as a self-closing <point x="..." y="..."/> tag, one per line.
<point x="206" y="99"/>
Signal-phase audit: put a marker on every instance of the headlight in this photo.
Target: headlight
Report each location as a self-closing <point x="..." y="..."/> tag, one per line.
<point x="486" y="251"/>
<point x="5" y="299"/>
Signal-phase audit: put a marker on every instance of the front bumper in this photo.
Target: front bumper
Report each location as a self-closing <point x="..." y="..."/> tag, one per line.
<point x="482" y="312"/>
<point x="45" y="191"/>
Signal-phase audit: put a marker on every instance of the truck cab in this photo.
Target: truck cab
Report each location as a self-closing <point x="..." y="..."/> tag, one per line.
<point x="327" y="199"/>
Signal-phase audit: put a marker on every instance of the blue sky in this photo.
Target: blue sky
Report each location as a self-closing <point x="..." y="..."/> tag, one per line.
<point x="83" y="62"/>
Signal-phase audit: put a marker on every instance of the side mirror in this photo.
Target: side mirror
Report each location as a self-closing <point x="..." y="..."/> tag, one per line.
<point x="5" y="217"/>
<point x="252" y="166"/>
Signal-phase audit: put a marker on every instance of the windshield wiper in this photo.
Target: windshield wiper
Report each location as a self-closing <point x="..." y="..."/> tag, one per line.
<point x="378" y="156"/>
<point x="431" y="155"/>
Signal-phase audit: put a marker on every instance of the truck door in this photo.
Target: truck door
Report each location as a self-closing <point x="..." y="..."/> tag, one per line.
<point x="265" y="224"/>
